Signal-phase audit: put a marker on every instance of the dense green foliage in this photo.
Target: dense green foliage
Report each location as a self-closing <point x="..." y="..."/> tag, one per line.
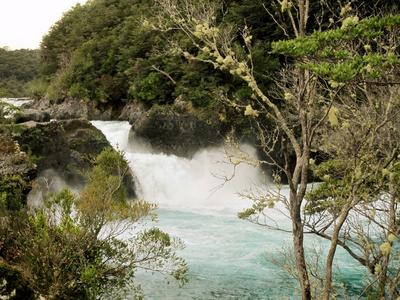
<point x="13" y="186"/>
<point x="17" y="69"/>
<point x="106" y="52"/>
<point x="328" y="98"/>
<point x="103" y="52"/>
<point x="74" y="247"/>
<point x="338" y="96"/>
<point x="13" y="285"/>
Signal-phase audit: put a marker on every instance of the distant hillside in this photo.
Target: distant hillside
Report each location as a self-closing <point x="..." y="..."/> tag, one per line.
<point x="101" y="52"/>
<point x="17" y="69"/>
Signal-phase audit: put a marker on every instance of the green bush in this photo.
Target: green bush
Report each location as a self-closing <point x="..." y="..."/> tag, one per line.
<point x="12" y="191"/>
<point x="13" y="284"/>
<point x="71" y="248"/>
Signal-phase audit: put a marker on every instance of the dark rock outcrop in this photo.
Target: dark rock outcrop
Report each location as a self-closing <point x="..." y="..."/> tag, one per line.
<point x="133" y="112"/>
<point x="66" y="146"/>
<point x="53" y="145"/>
<point x="74" y="109"/>
<point x="181" y="134"/>
<point x="17" y="164"/>
<point x="175" y="129"/>
<point x="32" y="115"/>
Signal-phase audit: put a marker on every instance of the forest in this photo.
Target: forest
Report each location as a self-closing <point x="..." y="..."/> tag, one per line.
<point x="18" y="70"/>
<point x="315" y="81"/>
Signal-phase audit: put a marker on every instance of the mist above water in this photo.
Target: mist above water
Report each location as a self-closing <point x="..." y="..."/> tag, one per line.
<point x="178" y="183"/>
<point x="226" y="255"/>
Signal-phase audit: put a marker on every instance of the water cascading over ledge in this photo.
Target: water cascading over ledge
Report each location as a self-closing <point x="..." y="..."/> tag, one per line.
<point x="226" y="256"/>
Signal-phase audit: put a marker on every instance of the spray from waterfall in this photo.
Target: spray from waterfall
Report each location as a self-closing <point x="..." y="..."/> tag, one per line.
<point x="182" y="184"/>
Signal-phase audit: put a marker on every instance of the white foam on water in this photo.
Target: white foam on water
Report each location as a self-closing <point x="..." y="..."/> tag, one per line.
<point x="16" y="101"/>
<point x="226" y="256"/>
<point x="116" y="132"/>
<point x="177" y="183"/>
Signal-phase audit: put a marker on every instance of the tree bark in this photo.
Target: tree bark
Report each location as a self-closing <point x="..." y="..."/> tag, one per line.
<point x="298" y="247"/>
<point x="331" y="254"/>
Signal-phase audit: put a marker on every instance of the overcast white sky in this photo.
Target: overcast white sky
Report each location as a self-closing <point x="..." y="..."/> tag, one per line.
<point x="24" y="22"/>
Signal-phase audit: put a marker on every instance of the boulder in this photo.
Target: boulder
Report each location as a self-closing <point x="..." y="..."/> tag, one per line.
<point x="32" y="115"/>
<point x="176" y="129"/>
<point x="133" y="112"/>
<point x="73" y="109"/>
<point x="179" y="132"/>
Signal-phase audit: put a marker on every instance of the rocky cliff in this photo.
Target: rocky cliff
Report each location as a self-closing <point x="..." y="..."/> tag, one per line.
<point x="73" y="109"/>
<point x="176" y="129"/>
<point x="181" y="133"/>
<point x="66" y="146"/>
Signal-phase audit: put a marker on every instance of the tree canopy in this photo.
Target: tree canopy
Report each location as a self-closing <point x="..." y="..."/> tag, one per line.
<point x="104" y="52"/>
<point x="108" y="52"/>
<point x="335" y="96"/>
<point x="313" y="77"/>
<point x="17" y="68"/>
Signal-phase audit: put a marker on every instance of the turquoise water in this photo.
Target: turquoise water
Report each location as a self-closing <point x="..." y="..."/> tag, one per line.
<point x="226" y="255"/>
<point x="226" y="258"/>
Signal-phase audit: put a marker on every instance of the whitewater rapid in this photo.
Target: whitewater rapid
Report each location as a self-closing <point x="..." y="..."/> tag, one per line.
<point x="182" y="184"/>
<point x="227" y="256"/>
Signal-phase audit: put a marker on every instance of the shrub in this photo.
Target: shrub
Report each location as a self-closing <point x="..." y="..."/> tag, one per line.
<point x="13" y="285"/>
<point x="74" y="247"/>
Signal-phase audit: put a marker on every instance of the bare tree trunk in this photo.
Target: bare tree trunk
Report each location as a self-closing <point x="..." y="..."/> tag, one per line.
<point x="298" y="186"/>
<point x="298" y="246"/>
<point x="303" y="12"/>
<point x="300" y="180"/>
<point x="391" y="229"/>
<point x="332" y="250"/>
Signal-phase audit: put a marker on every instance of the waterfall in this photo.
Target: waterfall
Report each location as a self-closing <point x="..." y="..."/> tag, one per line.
<point x="226" y="256"/>
<point x="177" y="183"/>
<point x="16" y="102"/>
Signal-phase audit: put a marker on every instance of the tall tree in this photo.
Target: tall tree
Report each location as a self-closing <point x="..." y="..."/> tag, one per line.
<point x="365" y="114"/>
<point x="199" y="21"/>
<point x="308" y="92"/>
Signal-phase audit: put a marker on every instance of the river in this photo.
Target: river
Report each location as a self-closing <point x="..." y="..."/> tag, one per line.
<point x="226" y="255"/>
